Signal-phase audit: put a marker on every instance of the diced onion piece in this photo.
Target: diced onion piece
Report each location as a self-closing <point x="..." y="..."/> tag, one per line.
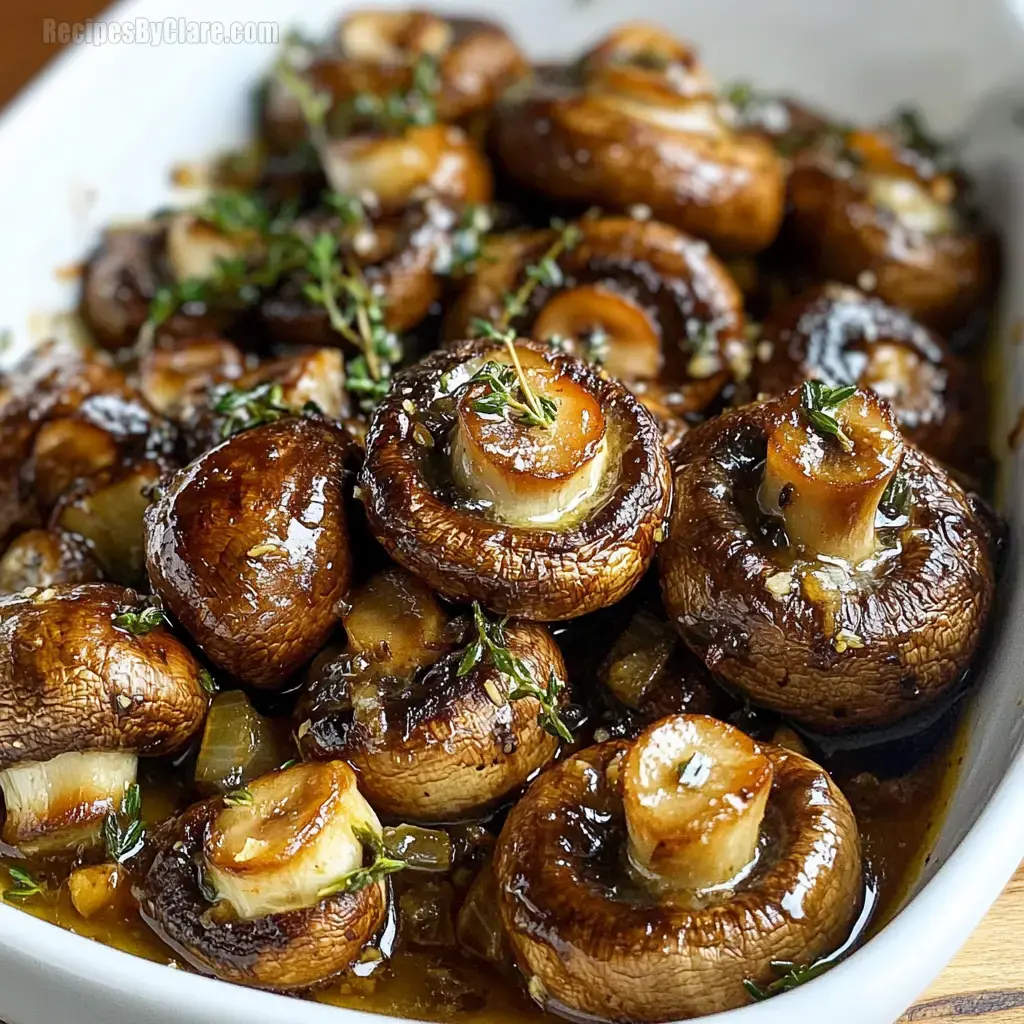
<point x="58" y="804"/>
<point x="295" y="838"/>
<point x="694" y="792"/>
<point x="425" y="849"/>
<point x="638" y="657"/>
<point x="195" y="249"/>
<point x="238" y="743"/>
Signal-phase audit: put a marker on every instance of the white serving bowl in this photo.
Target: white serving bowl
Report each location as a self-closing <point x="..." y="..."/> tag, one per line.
<point x="92" y="141"/>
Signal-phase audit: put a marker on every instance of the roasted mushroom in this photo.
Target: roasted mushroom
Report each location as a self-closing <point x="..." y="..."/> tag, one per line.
<point x="651" y="305"/>
<point x="248" y="548"/>
<point x="41" y="558"/>
<point x="516" y="476"/>
<point x="461" y="65"/>
<point x="840" y="336"/>
<point x="171" y="374"/>
<point x="643" y="126"/>
<point x="267" y="886"/>
<point x="89" y="680"/>
<point x="650" y="881"/>
<point x="434" y="735"/>
<point x="821" y="566"/>
<point x="885" y="211"/>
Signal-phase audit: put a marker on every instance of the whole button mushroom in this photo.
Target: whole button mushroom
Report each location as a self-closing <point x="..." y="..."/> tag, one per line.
<point x="823" y="567"/>
<point x="657" y="879"/>
<point x="248" y="548"/>
<point x="639" y="123"/>
<point x="507" y="473"/>
<point x="89" y="681"/>
<point x="270" y="886"/>
<point x="437" y="731"/>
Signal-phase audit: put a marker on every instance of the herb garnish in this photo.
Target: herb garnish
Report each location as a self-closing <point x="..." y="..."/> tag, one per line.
<point x="138" y="621"/>
<point x="239" y="798"/>
<point x="909" y="128"/>
<point x="207" y="682"/>
<point x="400" y="110"/>
<point x="505" y="384"/>
<point x="463" y="254"/>
<point x="490" y="642"/>
<point x="123" y="832"/>
<point x="379" y="868"/>
<point x="23" y="885"/>
<point x="820" y="403"/>
<point x="895" y="500"/>
<point x="791" y="976"/>
<point x="252" y="407"/>
<point x="695" y="770"/>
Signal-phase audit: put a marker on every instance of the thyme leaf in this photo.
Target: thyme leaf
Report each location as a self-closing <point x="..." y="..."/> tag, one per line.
<point x="379" y="867"/>
<point x="895" y="500"/>
<point x="123" y="831"/>
<point x="238" y="798"/>
<point x="820" y="403"/>
<point x="23" y="885"/>
<point x="252" y="407"/>
<point x="138" y="621"/>
<point x="791" y="976"/>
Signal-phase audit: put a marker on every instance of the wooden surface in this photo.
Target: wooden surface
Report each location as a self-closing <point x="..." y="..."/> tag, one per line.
<point x="985" y="982"/>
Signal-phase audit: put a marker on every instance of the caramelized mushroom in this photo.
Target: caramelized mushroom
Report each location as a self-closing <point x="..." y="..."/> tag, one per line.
<point x="648" y="881"/>
<point x="169" y="375"/>
<point x="838" y="335"/>
<point x="653" y="306"/>
<point x="431" y="740"/>
<point x="643" y="126"/>
<point x="376" y="53"/>
<point x="541" y="522"/>
<point x="42" y="558"/>
<point x="249" y="550"/>
<point x="882" y="210"/>
<point x="254" y="892"/>
<point x="84" y="690"/>
<point x="826" y="570"/>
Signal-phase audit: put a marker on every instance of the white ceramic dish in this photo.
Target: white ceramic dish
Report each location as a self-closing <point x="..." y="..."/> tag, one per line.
<point x="92" y="140"/>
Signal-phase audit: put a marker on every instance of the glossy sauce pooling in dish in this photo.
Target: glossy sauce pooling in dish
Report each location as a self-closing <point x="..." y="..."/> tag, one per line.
<point x="516" y="547"/>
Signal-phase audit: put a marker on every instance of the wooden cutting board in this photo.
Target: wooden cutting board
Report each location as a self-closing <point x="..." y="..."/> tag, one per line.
<point x="985" y="982"/>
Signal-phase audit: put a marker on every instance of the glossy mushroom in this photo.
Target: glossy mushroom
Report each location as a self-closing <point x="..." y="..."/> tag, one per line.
<point x="638" y="123"/>
<point x="254" y="891"/>
<point x="648" y="881"/>
<point x="839" y="335"/>
<point x="248" y="548"/>
<point x="42" y="558"/>
<point x="884" y="210"/>
<point x="89" y="681"/>
<point x="835" y="575"/>
<point x="431" y="740"/>
<point x="653" y="306"/>
<point x="540" y="522"/>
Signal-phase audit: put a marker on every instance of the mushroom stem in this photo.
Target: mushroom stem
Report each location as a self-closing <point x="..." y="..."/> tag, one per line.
<point x="694" y="794"/>
<point x="280" y="843"/>
<point x="61" y="803"/>
<point x="826" y="487"/>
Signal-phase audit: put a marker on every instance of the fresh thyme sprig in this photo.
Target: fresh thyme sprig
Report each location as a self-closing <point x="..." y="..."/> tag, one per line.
<point x="23" y="885"/>
<point x="791" y="976"/>
<point x="123" y="832"/>
<point x="238" y="798"/>
<point x="820" y="403"/>
<point x="504" y="386"/>
<point x="252" y="407"/>
<point x="138" y="621"/>
<point x="314" y="104"/>
<point x="490" y="643"/>
<point x="463" y="254"/>
<point x="379" y="868"/>
<point x="400" y="110"/>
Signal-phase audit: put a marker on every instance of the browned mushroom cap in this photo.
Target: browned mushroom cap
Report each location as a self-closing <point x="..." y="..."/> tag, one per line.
<point x="50" y="382"/>
<point x="249" y="550"/>
<point x="839" y="335"/>
<point x="42" y="558"/>
<point x="293" y="948"/>
<point x="645" y="128"/>
<point x="592" y="938"/>
<point x="842" y="589"/>
<point x="652" y="305"/>
<point x="435" y="746"/>
<point x="537" y="522"/>
<point x="375" y="52"/>
<point x="871" y="211"/>
<point x="72" y="680"/>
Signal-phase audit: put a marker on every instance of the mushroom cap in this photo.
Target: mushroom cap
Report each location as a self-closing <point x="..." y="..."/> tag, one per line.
<point x="839" y="335"/>
<point x="832" y="646"/>
<point x="294" y="949"/>
<point x="529" y="572"/>
<point x="616" y="144"/>
<point x="939" y="277"/>
<point x="592" y="941"/>
<point x="70" y="680"/>
<point x="42" y="558"/>
<point x="248" y="548"/>
<point x="672" y="284"/>
<point x="445" y="750"/>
